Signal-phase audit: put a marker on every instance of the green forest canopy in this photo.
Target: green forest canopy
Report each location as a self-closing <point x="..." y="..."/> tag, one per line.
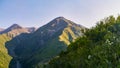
<point x="98" y="48"/>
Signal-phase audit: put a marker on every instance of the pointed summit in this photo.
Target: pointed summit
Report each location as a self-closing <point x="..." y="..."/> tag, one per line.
<point x="61" y="17"/>
<point x="14" y="26"/>
<point x="60" y="21"/>
<point x="56" y="24"/>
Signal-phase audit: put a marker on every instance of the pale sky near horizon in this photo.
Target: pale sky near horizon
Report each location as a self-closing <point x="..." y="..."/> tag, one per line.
<point x="36" y="13"/>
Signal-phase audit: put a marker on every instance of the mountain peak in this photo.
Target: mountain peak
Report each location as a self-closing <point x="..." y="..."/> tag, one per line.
<point x="12" y="27"/>
<point x="60" y="17"/>
<point x="15" y="26"/>
<point x="60" y="20"/>
<point x="56" y="25"/>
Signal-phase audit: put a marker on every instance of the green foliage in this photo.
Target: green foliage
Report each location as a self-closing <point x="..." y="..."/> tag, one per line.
<point x="4" y="57"/>
<point x="98" y="48"/>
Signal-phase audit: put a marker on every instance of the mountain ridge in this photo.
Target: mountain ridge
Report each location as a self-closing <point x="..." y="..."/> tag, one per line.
<point x="16" y="29"/>
<point x="46" y="42"/>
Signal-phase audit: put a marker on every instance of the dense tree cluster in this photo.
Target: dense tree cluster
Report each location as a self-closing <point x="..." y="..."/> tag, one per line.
<point x="98" y="48"/>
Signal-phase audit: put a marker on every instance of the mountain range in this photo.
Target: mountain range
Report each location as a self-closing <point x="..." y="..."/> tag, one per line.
<point x="61" y="43"/>
<point x="34" y="48"/>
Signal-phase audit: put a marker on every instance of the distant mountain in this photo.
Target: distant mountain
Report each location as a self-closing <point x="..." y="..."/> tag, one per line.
<point x="34" y="50"/>
<point x="13" y="27"/>
<point x="1" y="29"/>
<point x="16" y="29"/>
<point x="7" y="35"/>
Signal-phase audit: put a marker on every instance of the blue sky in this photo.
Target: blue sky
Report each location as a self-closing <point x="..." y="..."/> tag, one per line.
<point x="39" y="12"/>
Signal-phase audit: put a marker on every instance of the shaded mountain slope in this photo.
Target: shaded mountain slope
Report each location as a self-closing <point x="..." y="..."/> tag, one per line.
<point x="45" y="43"/>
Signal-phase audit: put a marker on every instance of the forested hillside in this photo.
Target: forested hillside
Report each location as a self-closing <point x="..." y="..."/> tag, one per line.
<point x="98" y="48"/>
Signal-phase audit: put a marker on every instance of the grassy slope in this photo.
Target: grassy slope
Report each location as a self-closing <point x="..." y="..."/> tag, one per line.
<point x="4" y="57"/>
<point x="68" y="35"/>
